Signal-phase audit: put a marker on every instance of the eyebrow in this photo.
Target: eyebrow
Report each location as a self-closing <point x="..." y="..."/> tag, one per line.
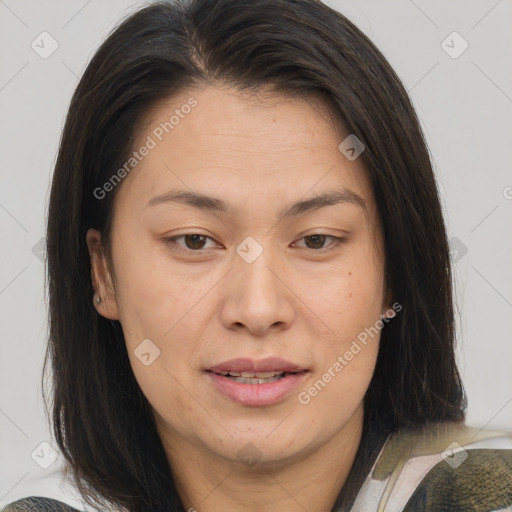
<point x="213" y="204"/>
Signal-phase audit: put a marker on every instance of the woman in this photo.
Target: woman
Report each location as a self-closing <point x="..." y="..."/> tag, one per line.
<point x="249" y="276"/>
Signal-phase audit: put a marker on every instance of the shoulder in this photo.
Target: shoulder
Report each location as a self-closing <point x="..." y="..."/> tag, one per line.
<point x="473" y="479"/>
<point x="38" y="504"/>
<point x="441" y="467"/>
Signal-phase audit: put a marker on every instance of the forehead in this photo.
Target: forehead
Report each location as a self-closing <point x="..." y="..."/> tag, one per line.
<point x="243" y="146"/>
<point x="258" y="121"/>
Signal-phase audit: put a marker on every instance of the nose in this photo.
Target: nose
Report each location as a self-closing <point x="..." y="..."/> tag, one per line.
<point x="257" y="295"/>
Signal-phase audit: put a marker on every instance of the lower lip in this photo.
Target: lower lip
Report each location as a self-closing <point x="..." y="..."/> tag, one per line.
<point x="257" y="395"/>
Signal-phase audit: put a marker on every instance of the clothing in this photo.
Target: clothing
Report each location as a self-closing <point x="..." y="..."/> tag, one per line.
<point x="445" y="467"/>
<point x="441" y="468"/>
<point x="38" y="504"/>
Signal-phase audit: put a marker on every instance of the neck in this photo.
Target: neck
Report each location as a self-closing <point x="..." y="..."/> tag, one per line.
<point x="311" y="481"/>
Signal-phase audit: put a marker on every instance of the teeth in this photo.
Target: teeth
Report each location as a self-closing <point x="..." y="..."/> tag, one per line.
<point x="252" y="377"/>
<point x="260" y="375"/>
<point x="267" y="375"/>
<point x="245" y="380"/>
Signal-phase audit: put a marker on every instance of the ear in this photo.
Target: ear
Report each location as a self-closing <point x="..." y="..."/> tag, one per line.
<point x="388" y="311"/>
<point x="102" y="281"/>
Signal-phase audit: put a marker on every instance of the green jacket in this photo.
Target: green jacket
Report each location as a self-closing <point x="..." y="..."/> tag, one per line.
<point x="445" y="467"/>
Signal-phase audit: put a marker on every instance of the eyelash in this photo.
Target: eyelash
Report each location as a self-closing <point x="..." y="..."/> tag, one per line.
<point x="337" y="241"/>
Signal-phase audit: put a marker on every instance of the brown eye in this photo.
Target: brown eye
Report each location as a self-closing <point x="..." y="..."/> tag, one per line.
<point x="192" y="241"/>
<point x="317" y="241"/>
<point x="195" y="242"/>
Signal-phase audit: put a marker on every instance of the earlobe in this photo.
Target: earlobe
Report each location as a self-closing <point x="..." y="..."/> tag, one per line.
<point x="388" y="311"/>
<point x="104" y="298"/>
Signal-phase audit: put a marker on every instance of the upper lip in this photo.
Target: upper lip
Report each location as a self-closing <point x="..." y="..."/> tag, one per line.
<point x="270" y="364"/>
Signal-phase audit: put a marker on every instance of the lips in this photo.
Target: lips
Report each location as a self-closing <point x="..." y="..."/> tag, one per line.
<point x="252" y="367"/>
<point x="256" y="383"/>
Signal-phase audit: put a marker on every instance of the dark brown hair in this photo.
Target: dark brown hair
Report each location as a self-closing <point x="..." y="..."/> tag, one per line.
<point x="102" y="421"/>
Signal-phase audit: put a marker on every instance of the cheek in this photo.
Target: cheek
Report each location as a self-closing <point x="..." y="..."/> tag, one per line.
<point x="353" y="299"/>
<point x="152" y="297"/>
<point x="163" y="315"/>
<point x="337" y="387"/>
<point x="351" y="309"/>
<point x="353" y="315"/>
<point x="167" y="391"/>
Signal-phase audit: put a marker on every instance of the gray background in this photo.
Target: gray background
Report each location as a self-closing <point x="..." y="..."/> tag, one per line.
<point x="465" y="107"/>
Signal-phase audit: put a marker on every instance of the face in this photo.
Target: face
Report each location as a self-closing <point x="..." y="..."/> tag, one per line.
<point x="280" y="294"/>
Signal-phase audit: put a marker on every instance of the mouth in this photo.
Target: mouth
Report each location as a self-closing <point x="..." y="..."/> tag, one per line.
<point x="255" y="378"/>
<point x="256" y="383"/>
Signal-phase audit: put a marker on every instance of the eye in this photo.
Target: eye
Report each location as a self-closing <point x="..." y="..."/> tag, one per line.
<point x="193" y="241"/>
<point x="317" y="241"/>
